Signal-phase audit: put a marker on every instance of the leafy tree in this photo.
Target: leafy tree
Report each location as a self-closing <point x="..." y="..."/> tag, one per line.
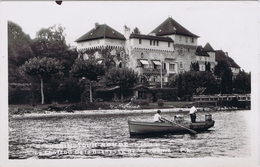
<point x="242" y="82"/>
<point x="194" y="66"/>
<point x="87" y="69"/>
<point x="50" y="42"/>
<point x="69" y="90"/>
<point x="180" y="86"/>
<point x="223" y="71"/>
<point x="19" y="51"/>
<point x="122" y="77"/>
<point x="41" y="68"/>
<point x="207" y="66"/>
<point x="195" y="82"/>
<point x="136" y="31"/>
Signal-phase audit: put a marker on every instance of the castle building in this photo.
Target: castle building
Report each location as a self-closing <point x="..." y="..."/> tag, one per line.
<point x="205" y="56"/>
<point x="167" y="50"/>
<point x="223" y="56"/>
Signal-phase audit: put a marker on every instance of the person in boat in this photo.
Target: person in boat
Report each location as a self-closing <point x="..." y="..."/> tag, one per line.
<point x="193" y="111"/>
<point x="157" y="117"/>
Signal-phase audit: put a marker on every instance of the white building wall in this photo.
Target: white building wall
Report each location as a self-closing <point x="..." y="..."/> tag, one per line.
<point x="146" y="44"/>
<point x="185" y="40"/>
<point x="100" y="42"/>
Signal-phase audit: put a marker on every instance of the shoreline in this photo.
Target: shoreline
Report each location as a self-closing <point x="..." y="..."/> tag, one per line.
<point x="105" y="112"/>
<point x="97" y="112"/>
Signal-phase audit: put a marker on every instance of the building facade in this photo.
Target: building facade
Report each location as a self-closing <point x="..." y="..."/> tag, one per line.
<point x="167" y="50"/>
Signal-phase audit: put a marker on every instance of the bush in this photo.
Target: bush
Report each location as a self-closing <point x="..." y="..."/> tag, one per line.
<point x="160" y="102"/>
<point x="80" y="106"/>
<point x="141" y="102"/>
<point x="18" y="96"/>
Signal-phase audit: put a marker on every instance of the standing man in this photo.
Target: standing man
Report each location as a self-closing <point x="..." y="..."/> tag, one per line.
<point x="193" y="111"/>
<point x="157" y="117"/>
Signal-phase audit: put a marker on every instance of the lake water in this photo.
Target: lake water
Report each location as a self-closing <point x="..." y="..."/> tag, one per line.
<point x="107" y="136"/>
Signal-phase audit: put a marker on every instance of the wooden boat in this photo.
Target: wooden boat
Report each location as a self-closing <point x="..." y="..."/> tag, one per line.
<point x="176" y="127"/>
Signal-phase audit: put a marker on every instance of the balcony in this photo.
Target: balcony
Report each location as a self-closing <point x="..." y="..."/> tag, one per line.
<point x="152" y="71"/>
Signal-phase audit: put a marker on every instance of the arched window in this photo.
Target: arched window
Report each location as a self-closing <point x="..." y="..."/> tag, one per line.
<point x="142" y="55"/>
<point x="120" y="65"/>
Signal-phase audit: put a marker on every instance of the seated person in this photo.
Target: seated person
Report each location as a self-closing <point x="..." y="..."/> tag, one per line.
<point x="157" y="117"/>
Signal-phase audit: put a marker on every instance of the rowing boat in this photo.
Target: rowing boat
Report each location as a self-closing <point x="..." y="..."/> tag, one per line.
<point x="176" y="127"/>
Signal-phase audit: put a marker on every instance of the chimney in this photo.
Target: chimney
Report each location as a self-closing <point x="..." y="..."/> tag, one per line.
<point x="226" y="53"/>
<point x="96" y="25"/>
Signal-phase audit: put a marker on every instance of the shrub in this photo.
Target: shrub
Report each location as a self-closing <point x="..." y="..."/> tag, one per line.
<point x="82" y="106"/>
<point x="142" y="102"/>
<point x="17" y="96"/>
<point x="160" y="102"/>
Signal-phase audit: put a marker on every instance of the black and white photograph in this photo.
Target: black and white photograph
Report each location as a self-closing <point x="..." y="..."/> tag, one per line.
<point x="129" y="83"/>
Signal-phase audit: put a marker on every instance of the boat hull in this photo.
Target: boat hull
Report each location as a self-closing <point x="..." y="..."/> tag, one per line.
<point x="153" y="128"/>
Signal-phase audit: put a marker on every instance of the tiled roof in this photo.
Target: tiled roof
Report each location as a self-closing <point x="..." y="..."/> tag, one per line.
<point x="170" y="26"/>
<point x="208" y="48"/>
<point x="201" y="52"/>
<point x="101" y="31"/>
<point x="141" y="36"/>
<point x="221" y="56"/>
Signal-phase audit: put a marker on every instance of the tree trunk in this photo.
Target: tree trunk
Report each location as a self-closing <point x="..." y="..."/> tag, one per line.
<point x="90" y="92"/>
<point x="122" y="95"/>
<point x="42" y="93"/>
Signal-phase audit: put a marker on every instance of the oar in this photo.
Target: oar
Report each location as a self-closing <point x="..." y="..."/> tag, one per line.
<point x="193" y="131"/>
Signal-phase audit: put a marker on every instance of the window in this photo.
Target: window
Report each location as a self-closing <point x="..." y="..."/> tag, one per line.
<point x="151" y="42"/>
<point x="120" y="65"/>
<point x="169" y="44"/>
<point x="172" y="67"/>
<point x="154" y="78"/>
<point x="154" y="43"/>
<point x="192" y="40"/>
<point x="186" y="39"/>
<point x="142" y="79"/>
<point x="180" y="38"/>
<point x="140" y="41"/>
<point x="157" y="64"/>
<point x="202" y="67"/>
<point x="181" y="64"/>
<point x="181" y="51"/>
<point x="143" y="63"/>
<point x="157" y="43"/>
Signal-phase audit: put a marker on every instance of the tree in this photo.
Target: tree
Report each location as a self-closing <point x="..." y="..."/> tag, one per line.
<point x="87" y="69"/>
<point x="194" y="66"/>
<point x="42" y="68"/>
<point x="207" y="66"/>
<point x="195" y="82"/>
<point x="242" y="82"/>
<point x="122" y="77"/>
<point x="136" y="31"/>
<point x="50" y="42"/>
<point x="19" y="51"/>
<point x="223" y="71"/>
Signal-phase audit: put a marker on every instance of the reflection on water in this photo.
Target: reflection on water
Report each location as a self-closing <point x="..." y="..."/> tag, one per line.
<point x="107" y="136"/>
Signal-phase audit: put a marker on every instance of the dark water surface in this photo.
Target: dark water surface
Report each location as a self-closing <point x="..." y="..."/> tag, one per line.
<point x="107" y="136"/>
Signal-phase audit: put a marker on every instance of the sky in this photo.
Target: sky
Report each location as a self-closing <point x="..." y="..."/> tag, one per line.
<point x="231" y="26"/>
